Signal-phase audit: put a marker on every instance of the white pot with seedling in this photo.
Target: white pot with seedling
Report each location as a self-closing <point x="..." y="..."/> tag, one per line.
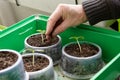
<point x="38" y="66"/>
<point x="81" y="59"/>
<point x="39" y="42"/>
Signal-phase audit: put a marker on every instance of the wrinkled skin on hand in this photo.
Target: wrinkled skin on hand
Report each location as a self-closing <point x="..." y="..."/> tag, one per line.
<point x="71" y="15"/>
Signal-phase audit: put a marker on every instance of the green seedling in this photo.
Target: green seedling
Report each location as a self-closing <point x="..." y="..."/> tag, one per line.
<point x="33" y="51"/>
<point x="33" y="59"/>
<point x="42" y="34"/>
<point x="77" y="39"/>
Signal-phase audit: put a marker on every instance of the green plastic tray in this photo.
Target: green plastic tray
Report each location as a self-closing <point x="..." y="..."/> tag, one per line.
<point x="111" y="71"/>
<point x="13" y="36"/>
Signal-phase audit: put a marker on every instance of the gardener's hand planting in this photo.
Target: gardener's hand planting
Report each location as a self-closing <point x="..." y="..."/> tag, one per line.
<point x="71" y="15"/>
<point x="63" y="17"/>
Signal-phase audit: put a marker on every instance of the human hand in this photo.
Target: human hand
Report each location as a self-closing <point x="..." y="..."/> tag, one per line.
<point x="63" y="17"/>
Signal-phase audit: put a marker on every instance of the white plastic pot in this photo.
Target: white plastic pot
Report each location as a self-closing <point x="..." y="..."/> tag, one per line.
<point x="14" y="72"/>
<point x="27" y="76"/>
<point x="81" y="67"/>
<point x="46" y="73"/>
<point x="54" y="51"/>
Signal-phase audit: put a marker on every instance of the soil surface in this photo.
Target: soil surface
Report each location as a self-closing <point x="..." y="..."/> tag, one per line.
<point x="7" y="59"/>
<point x="86" y="50"/>
<point x="36" y="41"/>
<point x="39" y="64"/>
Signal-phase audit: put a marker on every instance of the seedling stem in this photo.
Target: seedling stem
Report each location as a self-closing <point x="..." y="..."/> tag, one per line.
<point x="42" y="36"/>
<point x="77" y="39"/>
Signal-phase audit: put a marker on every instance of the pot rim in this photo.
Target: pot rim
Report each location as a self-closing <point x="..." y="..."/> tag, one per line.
<point x="19" y="59"/>
<point x="99" y="54"/>
<point x="41" y="47"/>
<point x="26" y="76"/>
<point x="44" y="69"/>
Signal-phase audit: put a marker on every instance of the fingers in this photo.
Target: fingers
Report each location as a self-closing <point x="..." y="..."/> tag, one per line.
<point x="52" y="21"/>
<point x="60" y="28"/>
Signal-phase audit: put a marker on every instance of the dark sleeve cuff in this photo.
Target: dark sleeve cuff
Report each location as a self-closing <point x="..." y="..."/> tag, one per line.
<point x="96" y="11"/>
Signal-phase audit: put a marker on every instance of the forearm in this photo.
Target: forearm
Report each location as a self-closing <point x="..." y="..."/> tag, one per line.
<point x="99" y="10"/>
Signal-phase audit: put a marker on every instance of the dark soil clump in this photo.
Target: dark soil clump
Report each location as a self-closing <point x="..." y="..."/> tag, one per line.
<point x="36" y="41"/>
<point x="40" y="63"/>
<point x="7" y="59"/>
<point x="86" y="50"/>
